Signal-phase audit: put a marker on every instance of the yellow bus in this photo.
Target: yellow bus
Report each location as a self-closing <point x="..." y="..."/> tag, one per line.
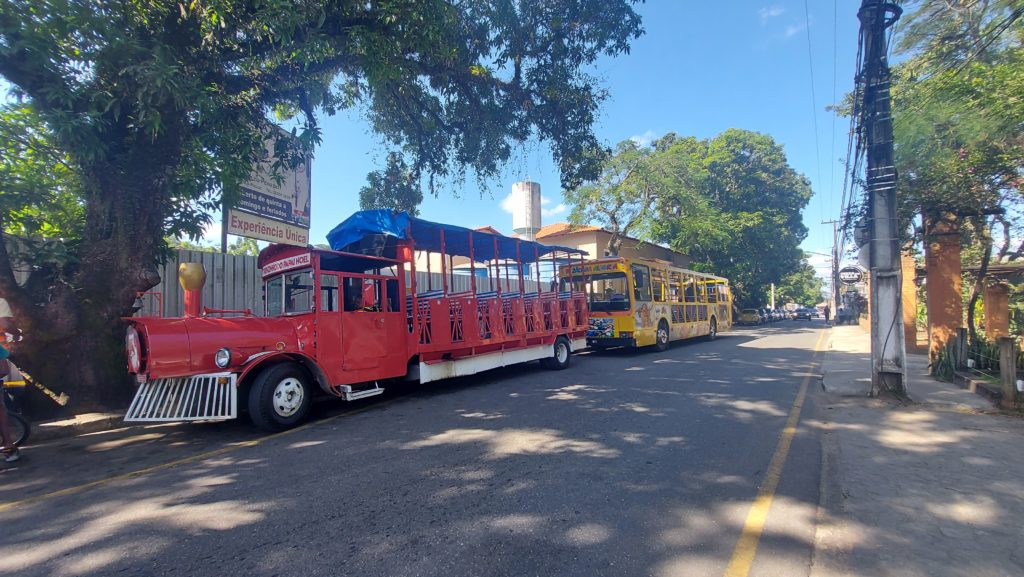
<point x="640" y="302"/>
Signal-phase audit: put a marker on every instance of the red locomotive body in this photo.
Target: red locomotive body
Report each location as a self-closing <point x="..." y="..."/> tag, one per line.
<point x="345" y="321"/>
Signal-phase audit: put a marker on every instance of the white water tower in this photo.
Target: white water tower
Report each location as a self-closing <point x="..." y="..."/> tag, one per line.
<point x="526" y="209"/>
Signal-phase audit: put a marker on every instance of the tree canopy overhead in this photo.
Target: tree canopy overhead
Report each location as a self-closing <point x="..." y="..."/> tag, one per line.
<point x="158" y="108"/>
<point x="958" y="122"/>
<point x="732" y="202"/>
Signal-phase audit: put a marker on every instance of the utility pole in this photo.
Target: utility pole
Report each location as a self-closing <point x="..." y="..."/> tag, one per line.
<point x="835" y="263"/>
<point x="888" y="353"/>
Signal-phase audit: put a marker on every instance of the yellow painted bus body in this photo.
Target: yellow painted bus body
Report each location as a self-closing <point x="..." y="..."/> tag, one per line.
<point x="640" y="302"/>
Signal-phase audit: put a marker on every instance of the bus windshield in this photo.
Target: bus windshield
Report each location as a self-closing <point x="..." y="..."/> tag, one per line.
<point x="608" y="292"/>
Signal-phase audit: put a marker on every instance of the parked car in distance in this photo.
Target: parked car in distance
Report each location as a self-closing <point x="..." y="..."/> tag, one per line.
<point x="804" y="313"/>
<point x="750" y="317"/>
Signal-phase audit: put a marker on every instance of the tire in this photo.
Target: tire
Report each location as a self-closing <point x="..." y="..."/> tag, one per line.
<point x="19" y="427"/>
<point x="561" y="354"/>
<point x="662" y="336"/>
<point x="280" y="397"/>
<point x="713" y="329"/>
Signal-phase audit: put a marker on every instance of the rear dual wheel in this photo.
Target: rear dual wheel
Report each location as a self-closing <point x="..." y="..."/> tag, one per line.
<point x="561" y="353"/>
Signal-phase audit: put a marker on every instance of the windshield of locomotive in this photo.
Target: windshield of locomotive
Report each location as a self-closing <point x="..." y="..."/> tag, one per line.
<point x="290" y="293"/>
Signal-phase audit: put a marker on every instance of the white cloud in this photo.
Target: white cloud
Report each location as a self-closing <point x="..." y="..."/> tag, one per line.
<point x="770" y="12"/>
<point x="819" y="261"/>
<point x="553" y="211"/>
<point x="643" y="139"/>
<point x="794" y="29"/>
<point x="507" y="204"/>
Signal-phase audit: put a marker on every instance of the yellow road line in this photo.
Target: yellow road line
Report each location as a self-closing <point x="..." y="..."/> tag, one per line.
<point x="183" y="461"/>
<point x="746" y="547"/>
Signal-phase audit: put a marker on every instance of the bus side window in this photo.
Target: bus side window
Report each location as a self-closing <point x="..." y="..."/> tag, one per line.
<point x="641" y="283"/>
<point x="691" y="290"/>
<point x="394" y="305"/>
<point x="712" y="292"/>
<point x="328" y="293"/>
<point x="353" y="294"/>
<point x="658" y="284"/>
<point x="675" y="282"/>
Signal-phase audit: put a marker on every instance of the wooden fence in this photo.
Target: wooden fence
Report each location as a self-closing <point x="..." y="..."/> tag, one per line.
<point x="232" y="282"/>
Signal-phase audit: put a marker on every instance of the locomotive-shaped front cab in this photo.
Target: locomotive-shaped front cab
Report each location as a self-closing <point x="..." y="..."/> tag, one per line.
<point x="333" y="321"/>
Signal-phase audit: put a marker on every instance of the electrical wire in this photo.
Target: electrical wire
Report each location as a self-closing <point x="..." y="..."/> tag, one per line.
<point x="835" y="68"/>
<point x="814" y="105"/>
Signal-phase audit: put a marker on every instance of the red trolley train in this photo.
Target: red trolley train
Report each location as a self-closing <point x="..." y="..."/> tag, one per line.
<point x="350" y="319"/>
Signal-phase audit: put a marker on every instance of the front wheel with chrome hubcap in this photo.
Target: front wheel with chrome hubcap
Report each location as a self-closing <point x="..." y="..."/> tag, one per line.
<point x="280" y="397"/>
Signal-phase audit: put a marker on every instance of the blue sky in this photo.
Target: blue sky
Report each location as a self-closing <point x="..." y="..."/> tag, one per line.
<point x="701" y="68"/>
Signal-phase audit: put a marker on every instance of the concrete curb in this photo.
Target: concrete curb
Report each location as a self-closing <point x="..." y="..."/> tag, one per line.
<point x="984" y="388"/>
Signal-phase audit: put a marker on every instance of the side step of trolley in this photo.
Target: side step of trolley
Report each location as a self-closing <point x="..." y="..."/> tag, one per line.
<point x="349" y="395"/>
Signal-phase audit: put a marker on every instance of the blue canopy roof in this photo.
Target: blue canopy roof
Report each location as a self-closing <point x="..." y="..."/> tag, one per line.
<point x="427" y="236"/>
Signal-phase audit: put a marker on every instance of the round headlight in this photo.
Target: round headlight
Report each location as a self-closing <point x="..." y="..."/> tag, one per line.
<point x="134" y="350"/>
<point x="222" y="358"/>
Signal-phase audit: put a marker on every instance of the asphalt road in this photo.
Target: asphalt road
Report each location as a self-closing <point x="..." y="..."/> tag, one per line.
<point x="627" y="463"/>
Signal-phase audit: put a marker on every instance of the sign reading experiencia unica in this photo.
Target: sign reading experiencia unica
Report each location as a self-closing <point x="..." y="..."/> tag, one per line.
<point x="273" y="208"/>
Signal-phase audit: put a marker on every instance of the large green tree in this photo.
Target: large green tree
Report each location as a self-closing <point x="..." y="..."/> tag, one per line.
<point x="621" y="198"/>
<point x="803" y="286"/>
<point x="396" y="187"/>
<point x="159" y="108"/>
<point x="736" y="208"/>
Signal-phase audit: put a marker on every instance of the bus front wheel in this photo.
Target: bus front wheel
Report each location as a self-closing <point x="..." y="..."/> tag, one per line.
<point x="661" y="338"/>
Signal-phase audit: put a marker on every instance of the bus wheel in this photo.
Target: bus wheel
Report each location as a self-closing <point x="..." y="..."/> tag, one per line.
<point x="661" y="338"/>
<point x="561" y="354"/>
<point x="713" y="329"/>
<point x="280" y="397"/>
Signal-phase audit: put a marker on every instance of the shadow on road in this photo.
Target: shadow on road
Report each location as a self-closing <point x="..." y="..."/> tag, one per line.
<point x="628" y="463"/>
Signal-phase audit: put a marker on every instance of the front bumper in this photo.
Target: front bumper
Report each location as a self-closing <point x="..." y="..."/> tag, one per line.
<point x="610" y="342"/>
<point x="210" y="397"/>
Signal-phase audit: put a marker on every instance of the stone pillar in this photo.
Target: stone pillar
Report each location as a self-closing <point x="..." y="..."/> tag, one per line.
<point x="997" y="311"/>
<point x="909" y="269"/>
<point x="945" y="307"/>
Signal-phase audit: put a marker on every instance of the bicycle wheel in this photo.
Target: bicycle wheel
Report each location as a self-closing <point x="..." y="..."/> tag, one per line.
<point x="19" y="428"/>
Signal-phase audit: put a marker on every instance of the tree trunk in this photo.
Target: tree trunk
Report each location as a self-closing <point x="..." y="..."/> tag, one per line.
<point x="72" y="318"/>
<point x="614" y="244"/>
<point x="979" y="282"/>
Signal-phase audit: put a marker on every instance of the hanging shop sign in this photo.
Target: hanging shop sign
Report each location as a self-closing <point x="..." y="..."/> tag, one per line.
<point x="851" y="275"/>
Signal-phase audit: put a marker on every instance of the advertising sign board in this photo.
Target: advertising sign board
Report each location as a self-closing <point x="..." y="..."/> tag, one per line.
<point x="252" y="226"/>
<point x="273" y="208"/>
<point x="850" y="275"/>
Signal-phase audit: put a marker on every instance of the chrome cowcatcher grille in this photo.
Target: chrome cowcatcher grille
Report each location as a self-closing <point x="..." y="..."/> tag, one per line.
<point x="195" y="398"/>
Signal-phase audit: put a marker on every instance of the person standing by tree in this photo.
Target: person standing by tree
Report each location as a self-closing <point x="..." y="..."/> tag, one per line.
<point x="10" y="452"/>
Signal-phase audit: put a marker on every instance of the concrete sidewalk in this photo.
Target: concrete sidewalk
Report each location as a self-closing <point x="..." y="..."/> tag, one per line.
<point x="931" y="488"/>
